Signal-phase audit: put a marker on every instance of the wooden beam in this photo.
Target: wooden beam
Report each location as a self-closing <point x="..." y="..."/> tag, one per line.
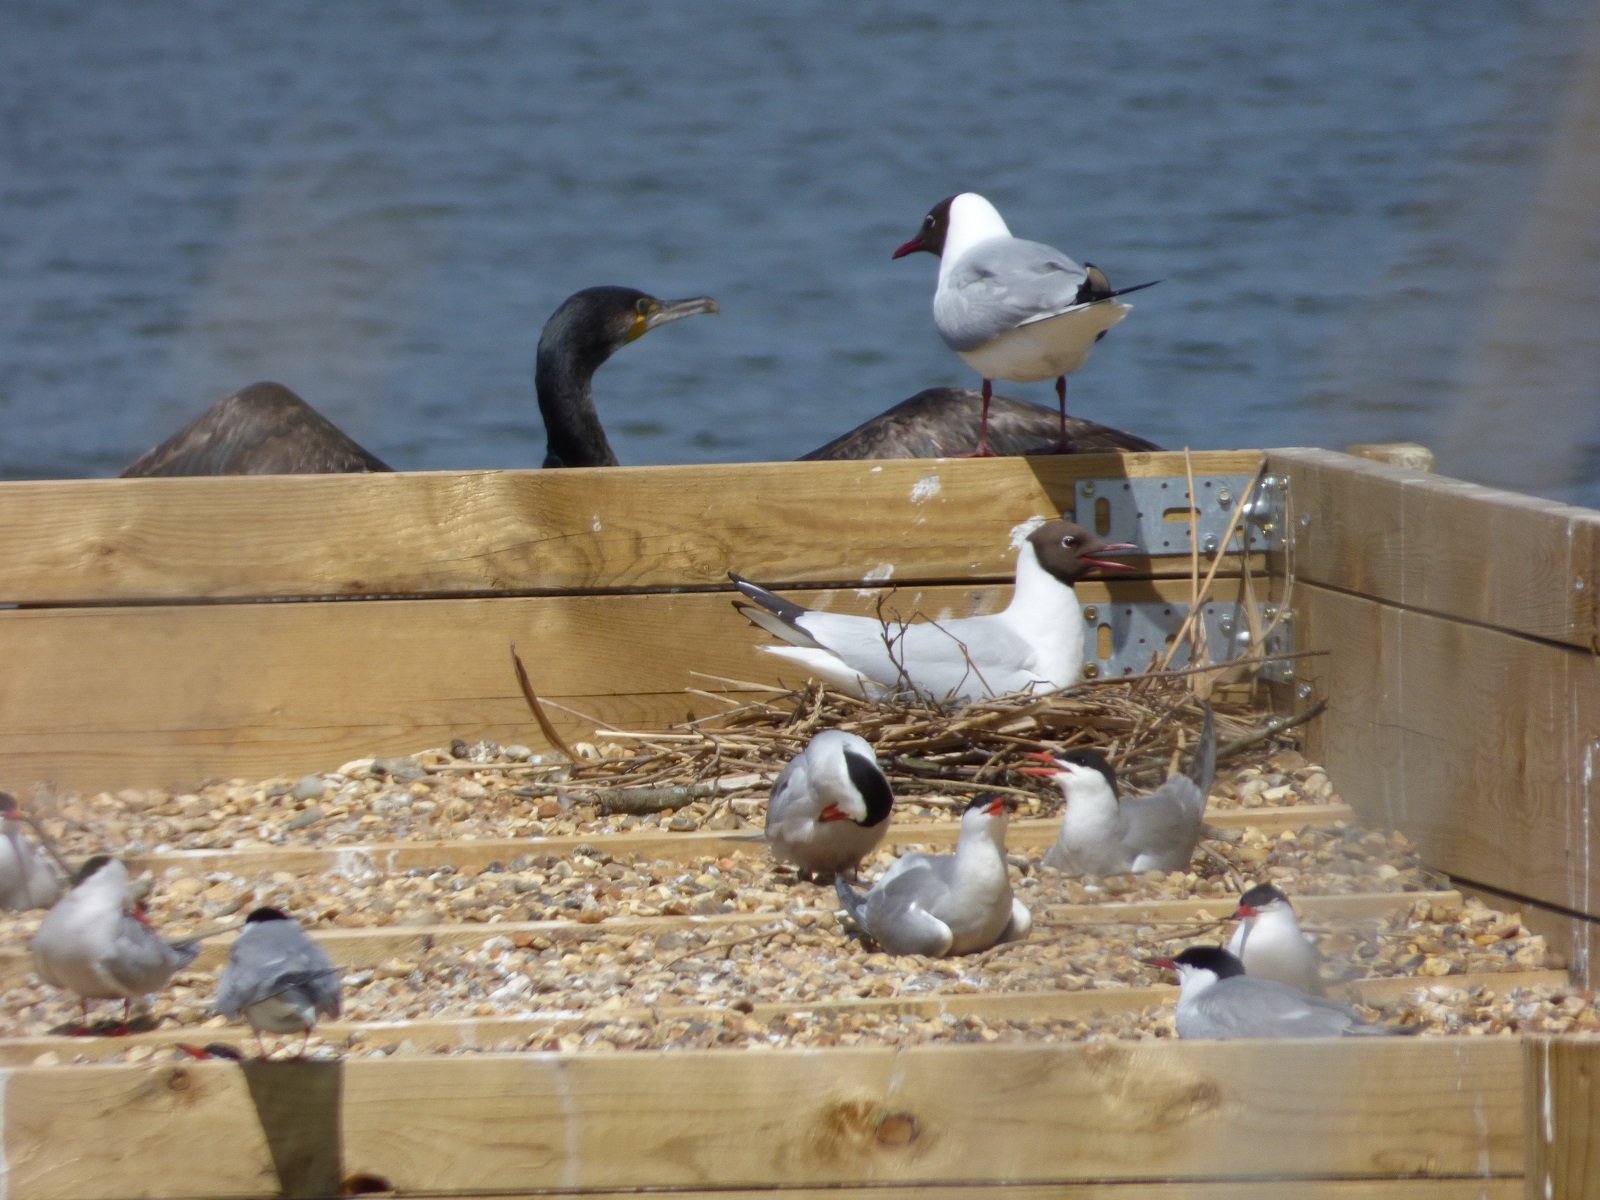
<point x="929" y="1115"/>
<point x="651" y="845"/>
<point x="370" y="946"/>
<point x="1480" y="745"/>
<point x="1475" y="1188"/>
<point x="485" y="532"/>
<point x="511" y="1033"/>
<point x="152" y="695"/>
<point x="1456" y="549"/>
<point x="1562" y="1117"/>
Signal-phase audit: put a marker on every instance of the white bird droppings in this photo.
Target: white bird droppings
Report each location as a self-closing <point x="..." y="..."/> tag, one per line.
<point x="883" y="571"/>
<point x="926" y="488"/>
<point x="596" y="525"/>
<point x="1019" y="533"/>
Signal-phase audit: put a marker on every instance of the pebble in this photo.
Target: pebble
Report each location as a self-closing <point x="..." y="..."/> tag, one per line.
<point x="310" y="787"/>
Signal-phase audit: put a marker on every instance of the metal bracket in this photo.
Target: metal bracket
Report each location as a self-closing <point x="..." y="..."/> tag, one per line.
<point x="1128" y="637"/>
<point x="1153" y="513"/>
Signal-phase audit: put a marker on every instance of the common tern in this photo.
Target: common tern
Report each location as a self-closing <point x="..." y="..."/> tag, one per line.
<point x="830" y="806"/>
<point x="945" y="904"/>
<point x="1104" y="833"/>
<point x="97" y="943"/>
<point x="278" y="978"/>
<point x="1218" y="1000"/>
<point x="26" y="880"/>
<point x="1269" y="942"/>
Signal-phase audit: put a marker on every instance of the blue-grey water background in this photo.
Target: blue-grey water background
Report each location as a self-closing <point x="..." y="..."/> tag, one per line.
<point x="379" y="204"/>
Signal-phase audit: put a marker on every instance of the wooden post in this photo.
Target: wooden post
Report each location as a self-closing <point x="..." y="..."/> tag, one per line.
<point x="1561" y="1091"/>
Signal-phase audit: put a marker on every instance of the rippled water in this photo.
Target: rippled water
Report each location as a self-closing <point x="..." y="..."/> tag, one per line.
<point x="378" y="205"/>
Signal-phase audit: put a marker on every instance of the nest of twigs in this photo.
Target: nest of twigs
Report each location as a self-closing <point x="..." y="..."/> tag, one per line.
<point x="1146" y="726"/>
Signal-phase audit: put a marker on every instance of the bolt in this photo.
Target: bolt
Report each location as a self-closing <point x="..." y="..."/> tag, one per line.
<point x="1091" y="671"/>
<point x="1224" y="497"/>
<point x="1210" y="544"/>
<point x="1086" y="487"/>
<point x="1303" y="691"/>
<point x="1225" y="623"/>
<point x="1091" y="614"/>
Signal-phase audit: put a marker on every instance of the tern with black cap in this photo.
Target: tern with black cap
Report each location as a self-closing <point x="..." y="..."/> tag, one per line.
<point x="1217" y="1000"/>
<point x="1106" y="833"/>
<point x="1269" y="942"/>
<point x="278" y="978"/>
<point x="830" y="806"/>
<point x="97" y="942"/>
<point x="946" y="904"/>
<point x="1034" y="645"/>
<point x="1012" y="309"/>
<point x="26" y="880"/>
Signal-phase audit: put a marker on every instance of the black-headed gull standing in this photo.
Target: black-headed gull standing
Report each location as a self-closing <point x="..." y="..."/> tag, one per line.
<point x="1012" y="309"/>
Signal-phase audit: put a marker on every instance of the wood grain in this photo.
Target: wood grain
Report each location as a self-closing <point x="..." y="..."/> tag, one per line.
<point x="477" y="532"/>
<point x="150" y="696"/>
<point x="1481" y="745"/>
<point x="1562" y="1117"/>
<point x="1447" y="547"/>
<point x="651" y="845"/>
<point x="373" y="945"/>
<point x="1199" y="1112"/>
<point x="1303" y="1189"/>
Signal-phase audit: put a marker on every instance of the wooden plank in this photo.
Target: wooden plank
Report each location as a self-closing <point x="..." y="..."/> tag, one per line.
<point x="1562" y="1118"/>
<point x="511" y="1033"/>
<point x="148" y="696"/>
<point x="478" y="532"/>
<point x="1481" y="745"/>
<point x="1302" y="1189"/>
<point x="1195" y="1111"/>
<point x="370" y="946"/>
<point x="1452" y="548"/>
<point x="652" y="845"/>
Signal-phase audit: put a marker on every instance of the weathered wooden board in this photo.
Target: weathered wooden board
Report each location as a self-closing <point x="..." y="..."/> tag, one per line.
<point x="1562" y="1116"/>
<point x="476" y="532"/>
<point x="649" y="845"/>
<point x="152" y="695"/>
<point x="1447" y="547"/>
<point x="1196" y="1112"/>
<point x="373" y="945"/>
<point x="1300" y="1189"/>
<point x="1481" y="745"/>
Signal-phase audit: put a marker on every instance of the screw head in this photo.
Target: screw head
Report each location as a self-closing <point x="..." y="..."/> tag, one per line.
<point x="1224" y="496"/>
<point x="1086" y="488"/>
<point x="1091" y="671"/>
<point x="1303" y="691"/>
<point x="1210" y="544"/>
<point x="1091" y="613"/>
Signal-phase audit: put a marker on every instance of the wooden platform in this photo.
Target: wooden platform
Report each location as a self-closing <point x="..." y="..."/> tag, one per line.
<point x="169" y="631"/>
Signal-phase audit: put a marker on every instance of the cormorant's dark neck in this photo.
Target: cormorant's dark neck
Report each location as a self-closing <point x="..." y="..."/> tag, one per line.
<point x="563" y="370"/>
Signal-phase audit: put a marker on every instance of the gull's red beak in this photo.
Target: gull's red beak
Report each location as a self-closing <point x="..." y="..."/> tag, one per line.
<point x="832" y="813"/>
<point x="1243" y="911"/>
<point x="1111" y="548"/>
<point x="910" y="247"/>
<point x="1040" y="756"/>
<point x="1160" y="962"/>
<point x="1041" y="772"/>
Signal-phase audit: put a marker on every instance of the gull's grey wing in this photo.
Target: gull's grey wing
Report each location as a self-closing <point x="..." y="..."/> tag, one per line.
<point x="1003" y="283"/>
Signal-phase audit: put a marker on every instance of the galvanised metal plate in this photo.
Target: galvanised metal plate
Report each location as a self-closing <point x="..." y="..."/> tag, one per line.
<point x="1128" y="638"/>
<point x="1153" y="513"/>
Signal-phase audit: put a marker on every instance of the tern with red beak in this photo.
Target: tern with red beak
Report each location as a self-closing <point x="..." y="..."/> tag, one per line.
<point x="1218" y="1000"/>
<point x="946" y="904"/>
<point x="26" y="880"/>
<point x="1105" y="833"/>
<point x="830" y="807"/>
<point x="96" y="941"/>
<point x="1034" y="645"/>
<point x="1012" y="309"/>
<point x="1269" y="942"/>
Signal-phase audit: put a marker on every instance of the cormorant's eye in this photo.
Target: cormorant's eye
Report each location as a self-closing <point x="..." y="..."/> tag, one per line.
<point x="643" y="307"/>
<point x="1070" y="541"/>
